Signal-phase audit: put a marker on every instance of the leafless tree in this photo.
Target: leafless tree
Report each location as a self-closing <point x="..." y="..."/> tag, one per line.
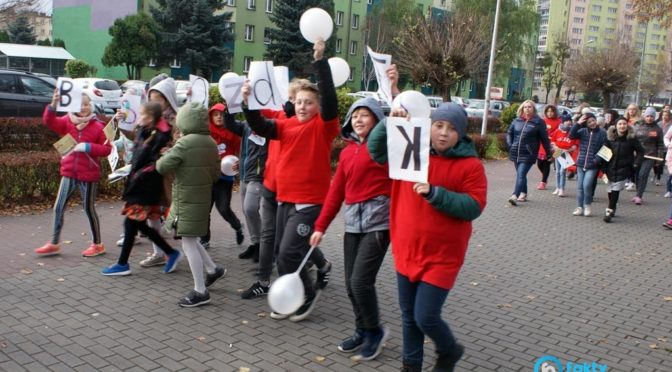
<point x="654" y="81"/>
<point x="608" y="71"/>
<point x="9" y="9"/>
<point x="440" y="52"/>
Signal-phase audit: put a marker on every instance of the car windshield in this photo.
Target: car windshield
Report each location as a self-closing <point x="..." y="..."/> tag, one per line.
<point x="106" y="85"/>
<point x="477" y="104"/>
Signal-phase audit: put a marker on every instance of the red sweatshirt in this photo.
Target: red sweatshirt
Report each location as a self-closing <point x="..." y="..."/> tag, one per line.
<point x="228" y="143"/>
<point x="562" y="140"/>
<point x="429" y="245"/>
<point x="273" y="151"/>
<point x="303" y="169"/>
<point x="551" y="127"/>
<point x="358" y="178"/>
<point x="81" y="166"/>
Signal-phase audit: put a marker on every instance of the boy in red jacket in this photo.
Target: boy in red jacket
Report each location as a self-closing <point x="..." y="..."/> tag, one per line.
<point x="428" y="256"/>
<point x="560" y="140"/>
<point x="79" y="169"/>
<point x="302" y="175"/>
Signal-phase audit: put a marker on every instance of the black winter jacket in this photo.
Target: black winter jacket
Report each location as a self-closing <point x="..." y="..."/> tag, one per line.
<point x="590" y="142"/>
<point x="627" y="153"/>
<point x="144" y="184"/>
<point x="252" y="154"/>
<point x="524" y="137"/>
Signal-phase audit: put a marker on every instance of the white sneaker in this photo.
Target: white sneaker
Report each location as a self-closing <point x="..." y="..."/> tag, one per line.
<point x="556" y="192"/>
<point x="561" y="193"/>
<point x="153" y="260"/>
<point x="667" y="195"/>
<point x="587" y="211"/>
<point x="120" y="242"/>
<point x="522" y="197"/>
<point x="578" y="211"/>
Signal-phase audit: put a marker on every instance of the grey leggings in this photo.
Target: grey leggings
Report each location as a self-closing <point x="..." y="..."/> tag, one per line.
<point x="65" y="190"/>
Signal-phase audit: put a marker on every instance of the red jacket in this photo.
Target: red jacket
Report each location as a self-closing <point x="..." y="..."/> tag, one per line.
<point x="81" y="166"/>
<point x="228" y="143"/>
<point x="429" y="245"/>
<point x="303" y="169"/>
<point x="551" y="127"/>
<point x="562" y="140"/>
<point x="358" y="178"/>
<point x="273" y="151"/>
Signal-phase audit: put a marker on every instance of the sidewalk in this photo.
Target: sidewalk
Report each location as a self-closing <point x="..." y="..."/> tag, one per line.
<point x="537" y="281"/>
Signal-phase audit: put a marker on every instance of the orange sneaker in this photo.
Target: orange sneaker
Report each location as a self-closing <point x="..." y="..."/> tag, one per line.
<point x="48" y="250"/>
<point x="94" y="250"/>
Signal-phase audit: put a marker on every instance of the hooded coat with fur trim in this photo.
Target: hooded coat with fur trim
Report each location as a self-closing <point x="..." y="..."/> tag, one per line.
<point x="626" y="152"/>
<point x="195" y="161"/>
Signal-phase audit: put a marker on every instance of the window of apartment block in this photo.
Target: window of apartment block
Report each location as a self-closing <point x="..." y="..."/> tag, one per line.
<point x="591" y="49"/>
<point x="175" y="63"/>
<point x="580" y="9"/>
<point x="656" y="27"/>
<point x="339" y="18"/>
<point x="231" y="2"/>
<point x="629" y="17"/>
<point x="641" y="35"/>
<point x="597" y="8"/>
<point x="339" y="44"/>
<point x="267" y="35"/>
<point x="613" y="1"/>
<point x="246" y="64"/>
<point x="152" y="62"/>
<point x="370" y="2"/>
<point x="353" y="47"/>
<point x="611" y="21"/>
<point x="249" y="33"/>
<point x="612" y="10"/>
<point x="595" y="18"/>
<point x="577" y="30"/>
<point x="653" y="46"/>
<point x="352" y="74"/>
<point x="593" y="29"/>
<point x="628" y="6"/>
<point x="252" y="4"/>
<point x="655" y="37"/>
<point x="639" y="45"/>
<point x="609" y="30"/>
<point x="578" y="20"/>
<point x="591" y="39"/>
<point x="269" y="6"/>
<point x="576" y="42"/>
<point x="355" y="21"/>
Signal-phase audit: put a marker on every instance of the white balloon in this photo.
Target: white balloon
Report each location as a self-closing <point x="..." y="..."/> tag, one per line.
<point x="414" y="102"/>
<point x="227" y="165"/>
<point x="340" y="70"/>
<point x="286" y="294"/>
<point x="228" y="74"/>
<point x="316" y="24"/>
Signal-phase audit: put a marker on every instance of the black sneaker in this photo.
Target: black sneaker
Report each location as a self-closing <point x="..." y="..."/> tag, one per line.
<point x="219" y="273"/>
<point x="249" y="252"/>
<point x="447" y="362"/>
<point x="608" y="215"/>
<point x="256" y="290"/>
<point x="352" y="343"/>
<point x="373" y="344"/>
<point x="204" y="244"/>
<point x="240" y="236"/>
<point x="306" y="308"/>
<point x="193" y="299"/>
<point x="323" y="277"/>
<point x="405" y="367"/>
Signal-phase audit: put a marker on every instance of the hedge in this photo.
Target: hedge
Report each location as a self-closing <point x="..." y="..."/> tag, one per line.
<point x="34" y="176"/>
<point x="25" y="134"/>
<point x="474" y="125"/>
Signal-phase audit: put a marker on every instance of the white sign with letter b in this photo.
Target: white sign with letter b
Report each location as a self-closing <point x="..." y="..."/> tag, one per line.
<point x="71" y="95"/>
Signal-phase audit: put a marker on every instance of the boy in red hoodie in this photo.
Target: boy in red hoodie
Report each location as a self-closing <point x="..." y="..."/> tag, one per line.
<point x="79" y="169"/>
<point x="560" y="140"/>
<point x="303" y="173"/>
<point x="428" y="256"/>
<point x="228" y="143"/>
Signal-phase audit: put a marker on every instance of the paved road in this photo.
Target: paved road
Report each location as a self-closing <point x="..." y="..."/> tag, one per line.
<point x="537" y="282"/>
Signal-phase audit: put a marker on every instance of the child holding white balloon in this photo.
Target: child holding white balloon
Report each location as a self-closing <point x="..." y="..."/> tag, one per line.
<point x="195" y="162"/>
<point x="428" y="256"/>
<point x="303" y="173"/>
<point x="228" y="143"/>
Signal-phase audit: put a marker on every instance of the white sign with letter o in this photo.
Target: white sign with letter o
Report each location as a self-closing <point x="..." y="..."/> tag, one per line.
<point x="408" y="148"/>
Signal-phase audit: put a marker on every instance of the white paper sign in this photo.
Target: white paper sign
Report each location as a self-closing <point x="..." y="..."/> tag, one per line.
<point x="282" y="81"/>
<point x="381" y="62"/>
<point x="257" y="139"/>
<point x="230" y="89"/>
<point x="408" y="148"/>
<point x="565" y="160"/>
<point x="199" y="90"/>
<point x="113" y="158"/>
<point x="130" y="106"/>
<point x="265" y="94"/>
<point x="71" y="95"/>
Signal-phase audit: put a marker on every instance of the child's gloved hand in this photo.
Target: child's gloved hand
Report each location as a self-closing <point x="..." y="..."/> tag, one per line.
<point x="82" y="147"/>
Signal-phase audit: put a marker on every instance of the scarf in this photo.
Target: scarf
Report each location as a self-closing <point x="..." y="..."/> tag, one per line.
<point x="79" y="121"/>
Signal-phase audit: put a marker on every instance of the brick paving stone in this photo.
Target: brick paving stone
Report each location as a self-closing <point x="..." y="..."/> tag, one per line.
<point x="536" y="281"/>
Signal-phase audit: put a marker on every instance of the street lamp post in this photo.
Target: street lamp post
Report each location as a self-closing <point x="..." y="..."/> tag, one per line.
<point x="491" y="66"/>
<point x="641" y="67"/>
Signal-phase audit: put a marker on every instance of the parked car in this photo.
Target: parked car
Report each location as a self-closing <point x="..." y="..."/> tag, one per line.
<point x="24" y="94"/>
<point x="460" y="101"/>
<point x="434" y="101"/>
<point x="361" y="94"/>
<point x="134" y="84"/>
<point x="562" y="110"/>
<point x="181" y="88"/>
<point x="475" y="107"/>
<point x="103" y="92"/>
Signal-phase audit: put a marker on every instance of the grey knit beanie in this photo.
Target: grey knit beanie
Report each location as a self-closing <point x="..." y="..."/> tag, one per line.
<point x="650" y="111"/>
<point x="452" y="113"/>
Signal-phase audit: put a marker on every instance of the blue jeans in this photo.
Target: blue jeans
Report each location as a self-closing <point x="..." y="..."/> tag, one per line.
<point x="669" y="183"/>
<point x="421" y="315"/>
<point x="521" y="178"/>
<point x="584" y="185"/>
<point x="560" y="175"/>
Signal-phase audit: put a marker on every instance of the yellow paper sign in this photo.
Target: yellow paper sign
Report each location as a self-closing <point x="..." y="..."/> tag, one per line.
<point x="65" y="144"/>
<point x="110" y="131"/>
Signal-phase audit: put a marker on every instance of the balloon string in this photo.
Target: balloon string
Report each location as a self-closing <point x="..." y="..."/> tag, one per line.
<point x="305" y="259"/>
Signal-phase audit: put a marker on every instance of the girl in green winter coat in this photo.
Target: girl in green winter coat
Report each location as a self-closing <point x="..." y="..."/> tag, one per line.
<point x="195" y="163"/>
